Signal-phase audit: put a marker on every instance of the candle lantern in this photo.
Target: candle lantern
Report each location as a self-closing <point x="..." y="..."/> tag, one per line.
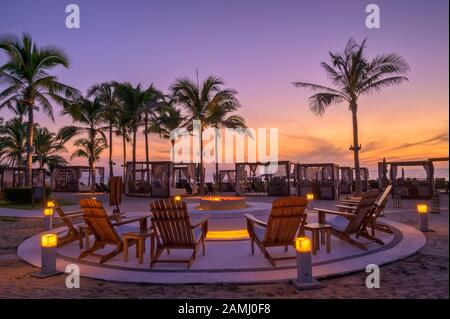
<point x="422" y="209"/>
<point x="177" y="198"/>
<point x="436" y="202"/>
<point x="305" y="279"/>
<point x="48" y="218"/>
<point x="310" y="196"/>
<point x="49" y="243"/>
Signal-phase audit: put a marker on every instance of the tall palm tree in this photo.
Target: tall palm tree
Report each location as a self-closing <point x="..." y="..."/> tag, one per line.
<point x="123" y="131"/>
<point x="105" y="93"/>
<point x="26" y="78"/>
<point x="154" y="102"/>
<point x="219" y="117"/>
<point x="87" y="114"/>
<point x="47" y="145"/>
<point x="167" y="119"/>
<point x="13" y="142"/>
<point x="133" y="100"/>
<point x="199" y="101"/>
<point x="354" y="75"/>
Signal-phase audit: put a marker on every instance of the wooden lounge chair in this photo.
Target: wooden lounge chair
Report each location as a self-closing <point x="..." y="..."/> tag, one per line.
<point x="287" y="218"/>
<point x="378" y="208"/>
<point x="174" y="230"/>
<point x="347" y="224"/>
<point x="103" y="228"/>
<point x="72" y="232"/>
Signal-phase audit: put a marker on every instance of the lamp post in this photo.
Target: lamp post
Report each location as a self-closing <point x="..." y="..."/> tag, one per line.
<point x="304" y="279"/>
<point x="48" y="256"/>
<point x="48" y="214"/>
<point x="309" y="198"/>
<point x="422" y="209"/>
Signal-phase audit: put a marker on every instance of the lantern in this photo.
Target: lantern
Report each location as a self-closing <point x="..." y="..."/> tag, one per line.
<point x="305" y="279"/>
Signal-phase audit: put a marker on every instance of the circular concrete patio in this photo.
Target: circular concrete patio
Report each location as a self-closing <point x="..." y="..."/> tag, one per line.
<point x="231" y="261"/>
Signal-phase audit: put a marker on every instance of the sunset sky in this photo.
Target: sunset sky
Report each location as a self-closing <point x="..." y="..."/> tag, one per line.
<point x="259" y="47"/>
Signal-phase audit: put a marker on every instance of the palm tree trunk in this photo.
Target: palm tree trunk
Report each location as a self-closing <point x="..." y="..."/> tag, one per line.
<point x="93" y="176"/>
<point x="133" y="178"/>
<point x="216" y="152"/>
<point x="202" y="176"/>
<point x="356" y="150"/>
<point x="111" y="172"/>
<point x="124" y="149"/>
<point x="30" y="136"/>
<point x="147" y="156"/>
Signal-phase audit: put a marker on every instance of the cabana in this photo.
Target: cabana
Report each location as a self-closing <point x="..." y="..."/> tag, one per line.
<point x="320" y="179"/>
<point x="346" y="180"/>
<point x="76" y="178"/>
<point x="439" y="183"/>
<point x="227" y="180"/>
<point x="408" y="187"/>
<point x="258" y="178"/>
<point x="148" y="179"/>
<point x="15" y="177"/>
<point x="364" y="172"/>
<point x="184" y="179"/>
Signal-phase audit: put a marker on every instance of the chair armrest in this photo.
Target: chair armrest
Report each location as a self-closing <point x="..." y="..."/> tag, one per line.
<point x="347" y="207"/>
<point x="71" y="215"/>
<point x="203" y="220"/>
<point x="333" y="212"/>
<point x="128" y="221"/>
<point x="255" y="220"/>
<point x="350" y="201"/>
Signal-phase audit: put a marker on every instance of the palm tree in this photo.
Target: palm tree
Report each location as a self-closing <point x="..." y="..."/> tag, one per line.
<point x="91" y="149"/>
<point x="199" y="102"/>
<point x="13" y="142"/>
<point x="353" y="75"/>
<point x="154" y="102"/>
<point x="167" y="119"/>
<point x="133" y="100"/>
<point x="104" y="92"/>
<point x="27" y="80"/>
<point x="88" y="114"/>
<point x="47" y="145"/>
<point x="218" y="117"/>
<point x="123" y="131"/>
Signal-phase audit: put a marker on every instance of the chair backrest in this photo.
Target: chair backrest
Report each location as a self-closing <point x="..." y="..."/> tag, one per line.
<point x="171" y="219"/>
<point x="363" y="211"/>
<point x="115" y="190"/>
<point x="286" y="218"/>
<point x="97" y="220"/>
<point x="66" y="220"/>
<point x="381" y="202"/>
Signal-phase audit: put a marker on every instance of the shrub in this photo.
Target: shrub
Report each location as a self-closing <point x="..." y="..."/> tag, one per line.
<point x="20" y="194"/>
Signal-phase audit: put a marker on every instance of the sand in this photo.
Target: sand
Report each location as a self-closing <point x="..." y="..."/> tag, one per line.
<point x="424" y="275"/>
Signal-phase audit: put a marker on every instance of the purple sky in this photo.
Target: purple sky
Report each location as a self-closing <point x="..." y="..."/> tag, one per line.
<point x="259" y="47"/>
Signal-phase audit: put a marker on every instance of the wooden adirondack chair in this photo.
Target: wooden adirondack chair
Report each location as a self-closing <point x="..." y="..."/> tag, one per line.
<point x="103" y="228"/>
<point x="171" y="221"/>
<point x="378" y="208"/>
<point x="72" y="232"/>
<point x="346" y="224"/>
<point x="287" y="218"/>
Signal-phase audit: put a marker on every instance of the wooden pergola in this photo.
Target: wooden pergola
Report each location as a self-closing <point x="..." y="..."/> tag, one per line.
<point x="320" y="179"/>
<point x="268" y="183"/>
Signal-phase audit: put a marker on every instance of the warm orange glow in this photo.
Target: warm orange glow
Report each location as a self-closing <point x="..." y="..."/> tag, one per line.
<point x="227" y="234"/>
<point x="422" y="208"/>
<point x="310" y="196"/>
<point x="49" y="240"/>
<point x="177" y="198"/>
<point x="303" y="244"/>
<point x="51" y="204"/>
<point x="48" y="211"/>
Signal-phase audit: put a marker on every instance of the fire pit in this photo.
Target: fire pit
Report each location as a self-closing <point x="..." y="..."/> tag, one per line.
<point x="222" y="203"/>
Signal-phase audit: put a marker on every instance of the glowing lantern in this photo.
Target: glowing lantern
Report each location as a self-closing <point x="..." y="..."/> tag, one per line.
<point x="48" y="211"/>
<point x="303" y="244"/>
<point x="310" y="196"/>
<point x="51" y="204"/>
<point x="422" y="208"/>
<point x="49" y="240"/>
<point x="177" y="198"/>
